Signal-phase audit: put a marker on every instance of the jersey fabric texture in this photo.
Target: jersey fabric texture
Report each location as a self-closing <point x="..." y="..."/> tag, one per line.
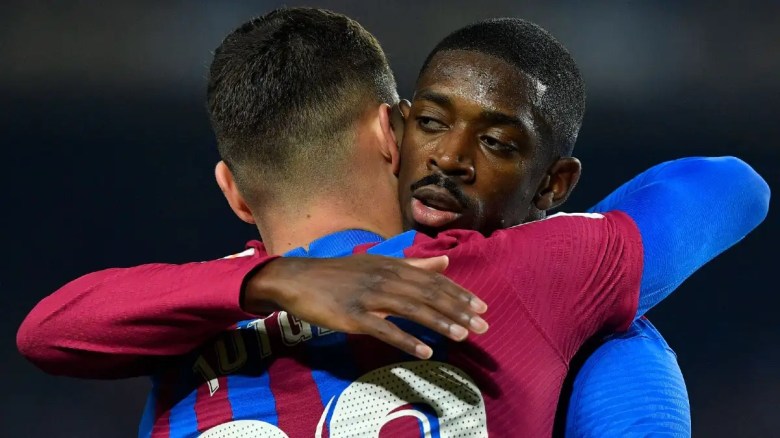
<point x="283" y="375"/>
<point x="630" y="386"/>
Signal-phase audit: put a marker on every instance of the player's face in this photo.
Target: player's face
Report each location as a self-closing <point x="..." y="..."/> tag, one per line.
<point x="469" y="146"/>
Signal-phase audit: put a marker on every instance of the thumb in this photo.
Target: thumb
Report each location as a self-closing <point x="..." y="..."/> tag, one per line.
<point x="435" y="264"/>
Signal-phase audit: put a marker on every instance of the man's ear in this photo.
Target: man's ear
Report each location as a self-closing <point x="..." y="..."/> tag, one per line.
<point x="405" y="107"/>
<point x="556" y="186"/>
<point x="227" y="184"/>
<point x="388" y="139"/>
<point x="397" y="120"/>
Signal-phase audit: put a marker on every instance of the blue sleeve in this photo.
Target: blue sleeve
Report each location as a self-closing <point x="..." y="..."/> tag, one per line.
<point x="631" y="386"/>
<point x="688" y="211"/>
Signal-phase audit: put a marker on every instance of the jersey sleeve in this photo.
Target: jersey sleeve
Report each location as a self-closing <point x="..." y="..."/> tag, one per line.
<point x="120" y="322"/>
<point x="630" y="386"/>
<point x="576" y="275"/>
<point x="688" y="211"/>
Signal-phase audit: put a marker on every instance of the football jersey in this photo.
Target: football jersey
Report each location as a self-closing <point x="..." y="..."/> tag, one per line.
<point x="214" y="366"/>
<point x="549" y="286"/>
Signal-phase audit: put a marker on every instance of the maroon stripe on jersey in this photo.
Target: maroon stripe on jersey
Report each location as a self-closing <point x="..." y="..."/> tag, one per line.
<point x="297" y="398"/>
<point x="363" y="247"/>
<point x="164" y="401"/>
<point x="162" y="426"/>
<point x="213" y="409"/>
<point x="295" y="392"/>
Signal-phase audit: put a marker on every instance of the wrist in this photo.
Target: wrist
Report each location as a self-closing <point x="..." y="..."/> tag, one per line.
<point x="267" y="289"/>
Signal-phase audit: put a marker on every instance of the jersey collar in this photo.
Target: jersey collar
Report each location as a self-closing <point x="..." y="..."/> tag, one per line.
<point x="337" y="244"/>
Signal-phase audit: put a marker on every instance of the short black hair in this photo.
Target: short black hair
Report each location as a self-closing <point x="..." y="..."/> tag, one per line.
<point x="540" y="57"/>
<point x="284" y="92"/>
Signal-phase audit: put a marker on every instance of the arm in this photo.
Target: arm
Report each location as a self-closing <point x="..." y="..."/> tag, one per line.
<point x="630" y="386"/>
<point x="122" y="322"/>
<point x="119" y="322"/>
<point x="677" y="241"/>
<point x="600" y="271"/>
<point x="688" y="211"/>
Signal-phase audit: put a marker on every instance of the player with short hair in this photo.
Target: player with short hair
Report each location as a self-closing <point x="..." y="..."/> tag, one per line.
<point x="450" y="105"/>
<point x="546" y="315"/>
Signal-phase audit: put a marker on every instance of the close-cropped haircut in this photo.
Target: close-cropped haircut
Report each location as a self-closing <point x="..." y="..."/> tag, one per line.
<point x="560" y="91"/>
<point x="284" y="93"/>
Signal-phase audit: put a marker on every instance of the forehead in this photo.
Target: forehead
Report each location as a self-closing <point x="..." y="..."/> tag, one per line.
<point x="482" y="79"/>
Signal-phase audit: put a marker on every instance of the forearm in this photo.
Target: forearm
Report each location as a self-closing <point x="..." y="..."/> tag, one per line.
<point x="120" y="322"/>
<point x="688" y="211"/>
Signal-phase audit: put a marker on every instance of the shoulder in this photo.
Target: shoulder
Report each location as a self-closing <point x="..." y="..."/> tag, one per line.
<point x="450" y="239"/>
<point x="580" y="225"/>
<point x="631" y="385"/>
<point x="574" y="240"/>
<point x="641" y="343"/>
<point x="252" y="248"/>
<point x="634" y="363"/>
<point x="614" y="220"/>
<point x="641" y="331"/>
<point x="640" y="351"/>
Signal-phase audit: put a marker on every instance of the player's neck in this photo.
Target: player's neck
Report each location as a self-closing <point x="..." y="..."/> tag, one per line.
<point x="297" y="226"/>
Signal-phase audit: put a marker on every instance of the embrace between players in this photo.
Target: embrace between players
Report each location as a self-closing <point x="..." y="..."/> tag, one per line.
<point x="318" y="152"/>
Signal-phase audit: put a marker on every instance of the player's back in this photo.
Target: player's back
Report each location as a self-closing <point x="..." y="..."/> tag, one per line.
<point x="546" y="295"/>
<point x="279" y="376"/>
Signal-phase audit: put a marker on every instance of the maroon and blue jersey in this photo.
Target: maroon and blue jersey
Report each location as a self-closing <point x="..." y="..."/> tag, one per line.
<point x="549" y="285"/>
<point x="220" y="372"/>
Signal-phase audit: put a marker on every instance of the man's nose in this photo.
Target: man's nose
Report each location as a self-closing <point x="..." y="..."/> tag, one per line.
<point x="453" y="159"/>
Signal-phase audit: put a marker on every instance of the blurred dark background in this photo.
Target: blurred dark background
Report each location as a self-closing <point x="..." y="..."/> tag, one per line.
<point x="102" y="116"/>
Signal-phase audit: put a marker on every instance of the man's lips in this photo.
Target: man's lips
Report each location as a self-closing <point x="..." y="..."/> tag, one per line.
<point x="435" y="206"/>
<point x="438" y="197"/>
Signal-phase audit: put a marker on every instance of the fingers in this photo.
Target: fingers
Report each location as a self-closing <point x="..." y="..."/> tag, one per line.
<point x="453" y="300"/>
<point x="428" y="298"/>
<point x="416" y="311"/>
<point x="437" y="291"/>
<point x="371" y="287"/>
<point x="418" y="270"/>
<point x="445" y="285"/>
<point x="435" y="264"/>
<point x="390" y="333"/>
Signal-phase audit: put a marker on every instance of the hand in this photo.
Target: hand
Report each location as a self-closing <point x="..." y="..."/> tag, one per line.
<point x="355" y="294"/>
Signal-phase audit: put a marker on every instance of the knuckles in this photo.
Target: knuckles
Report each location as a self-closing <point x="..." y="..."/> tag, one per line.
<point x="408" y="308"/>
<point x="430" y="294"/>
<point x="372" y="282"/>
<point x="392" y="267"/>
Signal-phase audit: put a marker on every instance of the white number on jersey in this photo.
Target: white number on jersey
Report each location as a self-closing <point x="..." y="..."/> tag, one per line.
<point x="372" y="401"/>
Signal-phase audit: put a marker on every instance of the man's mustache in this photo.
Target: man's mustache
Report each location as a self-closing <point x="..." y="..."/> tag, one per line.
<point x="437" y="179"/>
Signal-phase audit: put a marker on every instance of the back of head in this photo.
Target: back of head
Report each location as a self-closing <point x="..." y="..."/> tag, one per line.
<point x="284" y="93"/>
<point x="559" y="98"/>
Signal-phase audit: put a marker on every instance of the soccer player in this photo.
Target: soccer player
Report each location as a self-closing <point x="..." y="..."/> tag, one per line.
<point x="278" y="335"/>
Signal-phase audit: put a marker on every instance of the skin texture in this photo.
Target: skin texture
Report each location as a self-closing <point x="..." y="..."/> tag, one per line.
<point x="362" y="291"/>
<point x="471" y="133"/>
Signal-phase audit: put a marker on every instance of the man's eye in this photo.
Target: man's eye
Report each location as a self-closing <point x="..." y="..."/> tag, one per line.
<point x="497" y="145"/>
<point x="429" y="124"/>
